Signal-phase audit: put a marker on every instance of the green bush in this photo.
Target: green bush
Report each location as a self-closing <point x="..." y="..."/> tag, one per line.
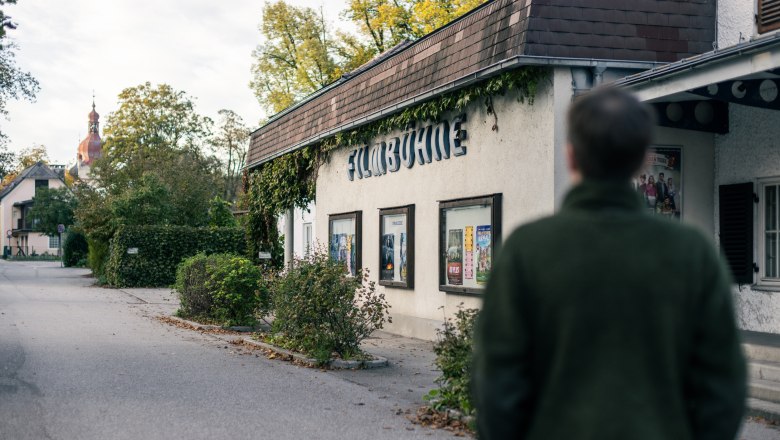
<point x="320" y="310"/>
<point x="192" y="277"/>
<point x="74" y="249"/>
<point x="222" y="288"/>
<point x="158" y="250"/>
<point x="454" y="352"/>
<point x="97" y="257"/>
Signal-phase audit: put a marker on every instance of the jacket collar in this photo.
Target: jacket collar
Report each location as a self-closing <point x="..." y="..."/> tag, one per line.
<point x="596" y="195"/>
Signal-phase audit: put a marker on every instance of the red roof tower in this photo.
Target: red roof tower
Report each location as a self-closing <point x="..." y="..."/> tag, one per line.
<point x="91" y="147"/>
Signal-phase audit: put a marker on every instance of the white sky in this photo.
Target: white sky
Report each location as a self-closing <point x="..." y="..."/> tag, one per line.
<point x="202" y="47"/>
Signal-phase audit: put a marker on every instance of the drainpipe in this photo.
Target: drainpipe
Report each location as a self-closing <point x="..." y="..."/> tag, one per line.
<point x="581" y="80"/>
<point x="289" y="236"/>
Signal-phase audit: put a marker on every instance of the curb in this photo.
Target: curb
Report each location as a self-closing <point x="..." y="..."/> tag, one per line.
<point x="339" y="364"/>
<point x="766" y="410"/>
<point x="209" y="327"/>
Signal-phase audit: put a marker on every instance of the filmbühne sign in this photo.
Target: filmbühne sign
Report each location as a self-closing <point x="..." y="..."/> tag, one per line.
<point x="431" y="142"/>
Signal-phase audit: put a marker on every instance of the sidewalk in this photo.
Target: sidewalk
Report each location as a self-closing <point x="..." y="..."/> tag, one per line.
<point x="409" y="376"/>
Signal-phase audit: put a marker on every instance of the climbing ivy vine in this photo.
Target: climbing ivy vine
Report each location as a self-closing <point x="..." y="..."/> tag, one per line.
<point x="290" y="180"/>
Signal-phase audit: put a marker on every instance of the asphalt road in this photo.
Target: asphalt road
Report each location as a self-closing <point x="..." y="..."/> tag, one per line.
<point x="81" y="362"/>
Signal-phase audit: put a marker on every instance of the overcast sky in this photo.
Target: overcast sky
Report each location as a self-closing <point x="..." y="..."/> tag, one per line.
<point x="202" y="47"/>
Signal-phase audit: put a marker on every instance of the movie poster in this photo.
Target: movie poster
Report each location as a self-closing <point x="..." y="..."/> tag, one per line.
<point x="468" y="256"/>
<point x="455" y="257"/>
<point x="659" y="182"/>
<point x="484" y="256"/>
<point x="388" y="257"/>
<point x="403" y="256"/>
<point x="350" y="255"/>
<point x="334" y="247"/>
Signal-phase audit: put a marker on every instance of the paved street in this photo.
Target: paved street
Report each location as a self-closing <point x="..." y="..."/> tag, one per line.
<point x="81" y="362"/>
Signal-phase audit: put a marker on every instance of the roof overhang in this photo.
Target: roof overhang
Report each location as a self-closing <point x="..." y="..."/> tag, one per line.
<point x="481" y="75"/>
<point x="755" y="59"/>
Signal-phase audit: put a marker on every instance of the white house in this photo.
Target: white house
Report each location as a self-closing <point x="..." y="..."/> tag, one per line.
<point x="16" y="200"/>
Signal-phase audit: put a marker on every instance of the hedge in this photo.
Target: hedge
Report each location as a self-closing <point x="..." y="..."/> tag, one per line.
<point x="147" y="256"/>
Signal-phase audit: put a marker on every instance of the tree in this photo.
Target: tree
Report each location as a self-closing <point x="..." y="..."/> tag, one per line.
<point x="148" y="202"/>
<point x="152" y="125"/>
<point x="220" y="215"/>
<point x="26" y="158"/>
<point x="230" y="144"/>
<point x="296" y="59"/>
<point x="153" y="169"/>
<point x="52" y="207"/>
<point x="429" y="15"/>
<point x="301" y="54"/>
<point x="14" y="83"/>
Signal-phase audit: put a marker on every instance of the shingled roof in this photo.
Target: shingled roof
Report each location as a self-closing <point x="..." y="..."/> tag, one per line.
<point x="485" y="39"/>
<point x="39" y="170"/>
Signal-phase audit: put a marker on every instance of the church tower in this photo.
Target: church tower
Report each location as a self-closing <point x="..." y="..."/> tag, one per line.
<point x="91" y="147"/>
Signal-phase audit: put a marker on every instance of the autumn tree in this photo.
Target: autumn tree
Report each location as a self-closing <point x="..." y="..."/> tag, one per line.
<point x="296" y="58"/>
<point x="25" y="159"/>
<point x="230" y="143"/>
<point x="301" y="54"/>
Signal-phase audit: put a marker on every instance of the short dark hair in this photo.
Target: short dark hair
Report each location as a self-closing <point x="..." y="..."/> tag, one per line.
<point x="610" y="131"/>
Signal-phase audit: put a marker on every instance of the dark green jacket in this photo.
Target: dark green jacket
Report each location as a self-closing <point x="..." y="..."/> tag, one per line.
<point x="603" y="322"/>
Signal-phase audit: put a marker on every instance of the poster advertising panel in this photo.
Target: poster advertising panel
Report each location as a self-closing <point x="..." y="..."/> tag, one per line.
<point x="396" y="246"/>
<point x="660" y="181"/>
<point x="344" y="240"/>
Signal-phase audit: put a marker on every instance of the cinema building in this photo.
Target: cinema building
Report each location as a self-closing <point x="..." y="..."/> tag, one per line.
<point x="424" y="206"/>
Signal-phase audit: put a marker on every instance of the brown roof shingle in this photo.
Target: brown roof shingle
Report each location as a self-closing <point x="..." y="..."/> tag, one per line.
<point x="635" y="30"/>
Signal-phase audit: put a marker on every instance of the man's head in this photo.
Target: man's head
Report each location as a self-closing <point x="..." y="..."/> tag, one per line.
<point x="609" y="132"/>
<point x="661" y="177"/>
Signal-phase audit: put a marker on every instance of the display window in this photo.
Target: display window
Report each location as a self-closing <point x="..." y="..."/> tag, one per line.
<point x="345" y="238"/>
<point x="470" y="229"/>
<point x="396" y="247"/>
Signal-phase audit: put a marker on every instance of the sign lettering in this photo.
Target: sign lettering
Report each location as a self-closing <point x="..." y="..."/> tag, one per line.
<point x="432" y="142"/>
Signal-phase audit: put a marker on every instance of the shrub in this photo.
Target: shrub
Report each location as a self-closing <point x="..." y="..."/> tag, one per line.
<point x="320" y="310"/>
<point x="97" y="257"/>
<point x="454" y="351"/>
<point x="74" y="249"/>
<point x="158" y="250"/>
<point x="222" y="288"/>
<point x="191" y="278"/>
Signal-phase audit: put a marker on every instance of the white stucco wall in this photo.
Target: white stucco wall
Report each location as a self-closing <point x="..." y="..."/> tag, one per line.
<point x="302" y="216"/>
<point x="698" y="174"/>
<point x="735" y="16"/>
<point x="517" y="160"/>
<point x="751" y="150"/>
<point x="24" y="191"/>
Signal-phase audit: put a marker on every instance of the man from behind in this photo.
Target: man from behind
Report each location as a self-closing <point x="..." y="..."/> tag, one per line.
<point x="602" y="321"/>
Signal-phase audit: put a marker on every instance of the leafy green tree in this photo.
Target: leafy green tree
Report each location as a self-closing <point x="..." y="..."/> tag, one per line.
<point x="14" y="82"/>
<point x="220" y="214"/>
<point x="146" y="203"/>
<point x="230" y="144"/>
<point x="52" y="207"/>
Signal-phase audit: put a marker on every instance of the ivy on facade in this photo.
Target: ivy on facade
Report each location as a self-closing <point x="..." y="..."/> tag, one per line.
<point x="289" y="181"/>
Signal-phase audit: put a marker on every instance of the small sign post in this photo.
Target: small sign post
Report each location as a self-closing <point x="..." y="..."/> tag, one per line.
<point x="264" y="255"/>
<point x="60" y="230"/>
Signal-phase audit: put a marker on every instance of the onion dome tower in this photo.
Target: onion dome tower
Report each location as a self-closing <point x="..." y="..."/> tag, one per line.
<point x="91" y="147"/>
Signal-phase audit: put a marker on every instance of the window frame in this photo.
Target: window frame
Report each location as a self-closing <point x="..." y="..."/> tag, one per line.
<point x="408" y="210"/>
<point x="307" y="247"/>
<point x="357" y="216"/>
<point x="762" y="184"/>
<point x="53" y="237"/>
<point x="494" y="200"/>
